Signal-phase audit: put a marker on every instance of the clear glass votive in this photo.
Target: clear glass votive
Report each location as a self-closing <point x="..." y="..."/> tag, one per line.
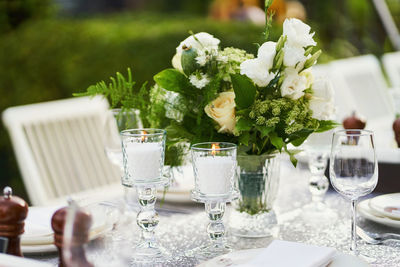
<point x="214" y="166"/>
<point x="143" y="155"/>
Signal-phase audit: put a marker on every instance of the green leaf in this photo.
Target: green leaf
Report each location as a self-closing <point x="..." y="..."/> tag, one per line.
<point x="326" y="126"/>
<point x="244" y="138"/>
<point x="276" y="141"/>
<point x="245" y="91"/>
<point x="264" y="130"/>
<point x="244" y="124"/>
<point x="291" y="156"/>
<point x="299" y="137"/>
<point x="172" y="80"/>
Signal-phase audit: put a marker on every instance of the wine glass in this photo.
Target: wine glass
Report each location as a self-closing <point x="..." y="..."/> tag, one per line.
<point x="353" y="169"/>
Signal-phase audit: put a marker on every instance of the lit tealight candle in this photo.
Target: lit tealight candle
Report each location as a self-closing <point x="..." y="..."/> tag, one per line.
<point x="144" y="160"/>
<point x="215" y="173"/>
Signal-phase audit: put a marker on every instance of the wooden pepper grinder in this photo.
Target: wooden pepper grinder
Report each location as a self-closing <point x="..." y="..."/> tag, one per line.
<point x="13" y="212"/>
<point x="80" y="236"/>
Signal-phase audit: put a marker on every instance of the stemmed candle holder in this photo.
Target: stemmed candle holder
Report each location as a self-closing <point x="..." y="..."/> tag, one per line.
<point x="143" y="156"/>
<point x="214" y="166"/>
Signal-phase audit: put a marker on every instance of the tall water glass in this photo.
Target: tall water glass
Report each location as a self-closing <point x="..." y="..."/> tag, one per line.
<point x="353" y="169"/>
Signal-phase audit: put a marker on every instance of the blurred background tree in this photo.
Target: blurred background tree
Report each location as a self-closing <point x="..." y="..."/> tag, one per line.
<point x="52" y="48"/>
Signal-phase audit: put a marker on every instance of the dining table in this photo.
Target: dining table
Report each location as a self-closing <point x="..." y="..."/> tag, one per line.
<point x="182" y="227"/>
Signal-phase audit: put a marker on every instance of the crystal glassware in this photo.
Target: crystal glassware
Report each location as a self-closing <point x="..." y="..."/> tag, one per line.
<point x="214" y="166"/>
<point x="318" y="147"/>
<point x="353" y="169"/>
<point x="143" y="156"/>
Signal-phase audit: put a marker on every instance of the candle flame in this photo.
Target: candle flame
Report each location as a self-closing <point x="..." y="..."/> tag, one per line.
<point x="143" y="135"/>
<point x="214" y="148"/>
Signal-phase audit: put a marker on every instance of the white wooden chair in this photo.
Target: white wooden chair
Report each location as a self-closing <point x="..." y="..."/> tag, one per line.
<point x="59" y="149"/>
<point x="344" y="102"/>
<point x="391" y="63"/>
<point x="362" y="80"/>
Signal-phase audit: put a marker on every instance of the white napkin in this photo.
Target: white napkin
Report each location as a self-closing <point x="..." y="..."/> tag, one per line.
<point x="288" y="254"/>
<point x="38" y="229"/>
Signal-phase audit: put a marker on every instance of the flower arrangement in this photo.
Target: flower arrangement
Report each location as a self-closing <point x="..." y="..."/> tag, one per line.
<point x="262" y="103"/>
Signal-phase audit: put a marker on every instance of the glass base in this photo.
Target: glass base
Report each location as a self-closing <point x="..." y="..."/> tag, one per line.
<point x="317" y="212"/>
<point x="359" y="254"/>
<point x="146" y="253"/>
<point x="259" y="225"/>
<point x="208" y="251"/>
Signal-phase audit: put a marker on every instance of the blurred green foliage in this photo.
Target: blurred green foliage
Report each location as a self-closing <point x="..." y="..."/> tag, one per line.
<point x="15" y="12"/>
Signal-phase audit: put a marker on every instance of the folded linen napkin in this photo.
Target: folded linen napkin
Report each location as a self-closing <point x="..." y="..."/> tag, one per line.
<point x="288" y="254"/>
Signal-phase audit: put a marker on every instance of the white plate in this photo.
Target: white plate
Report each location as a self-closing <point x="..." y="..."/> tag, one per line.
<point x="365" y="211"/>
<point x="179" y="190"/>
<point x="243" y="256"/>
<point x="33" y="243"/>
<point x="387" y="205"/>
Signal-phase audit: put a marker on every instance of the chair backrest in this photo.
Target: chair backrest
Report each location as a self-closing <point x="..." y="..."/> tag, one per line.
<point x="59" y="147"/>
<point x="344" y="102"/>
<point x="362" y="80"/>
<point x="391" y="63"/>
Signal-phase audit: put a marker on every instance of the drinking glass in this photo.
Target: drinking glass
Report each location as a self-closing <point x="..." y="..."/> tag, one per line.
<point x="353" y="169"/>
<point x="214" y="166"/>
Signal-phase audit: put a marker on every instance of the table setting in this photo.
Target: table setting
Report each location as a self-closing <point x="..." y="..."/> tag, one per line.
<point x="222" y="130"/>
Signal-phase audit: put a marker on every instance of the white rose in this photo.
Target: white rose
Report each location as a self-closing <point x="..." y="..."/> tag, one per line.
<point x="292" y="55"/>
<point x="222" y="110"/>
<point x="298" y="33"/>
<point x="257" y="71"/>
<point x="322" y="101"/>
<point x="266" y="54"/>
<point x="293" y="85"/>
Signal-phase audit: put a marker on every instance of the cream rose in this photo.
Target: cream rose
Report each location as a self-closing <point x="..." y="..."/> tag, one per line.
<point x="222" y="110"/>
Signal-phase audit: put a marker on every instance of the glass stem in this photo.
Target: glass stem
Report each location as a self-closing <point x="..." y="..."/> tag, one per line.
<point x="353" y="246"/>
<point x="147" y="218"/>
<point x="216" y="228"/>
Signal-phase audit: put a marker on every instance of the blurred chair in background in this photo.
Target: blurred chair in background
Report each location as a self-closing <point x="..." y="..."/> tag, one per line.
<point x="59" y="149"/>
<point x="391" y="63"/>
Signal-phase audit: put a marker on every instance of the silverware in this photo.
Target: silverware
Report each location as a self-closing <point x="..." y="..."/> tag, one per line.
<point x="376" y="239"/>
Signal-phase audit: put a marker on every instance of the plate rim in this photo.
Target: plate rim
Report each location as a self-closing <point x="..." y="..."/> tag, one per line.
<point x="379" y="210"/>
<point x="363" y="211"/>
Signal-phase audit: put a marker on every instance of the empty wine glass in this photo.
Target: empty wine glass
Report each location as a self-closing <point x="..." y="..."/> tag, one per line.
<point x="353" y="169"/>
